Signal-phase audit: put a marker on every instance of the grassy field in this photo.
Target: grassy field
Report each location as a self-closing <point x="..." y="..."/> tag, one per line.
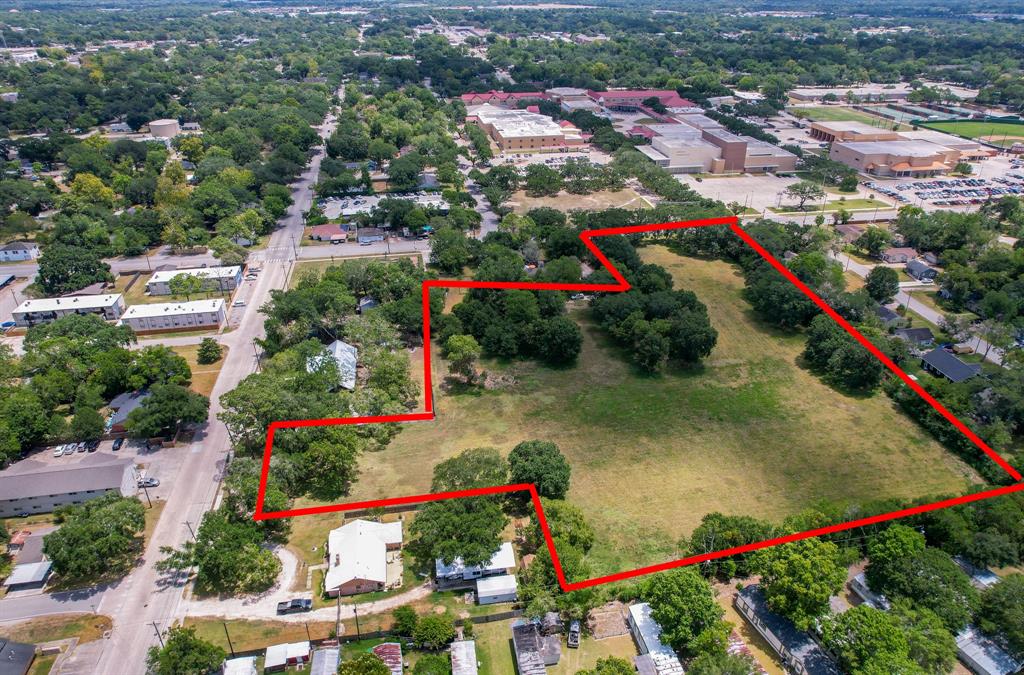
<point x="563" y="201"/>
<point x="994" y="132"/>
<point x="204" y="375"/>
<point x="246" y="635"/>
<point x="87" y="627"/>
<point x="750" y="433"/>
<point x="831" y="113"/>
<point x="41" y="665"/>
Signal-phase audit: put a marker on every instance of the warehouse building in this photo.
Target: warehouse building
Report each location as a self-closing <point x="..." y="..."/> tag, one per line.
<point x="522" y="130"/>
<point x="172" y="316"/>
<point x="32" y="486"/>
<point x="213" y="279"/>
<point x="32" y="312"/>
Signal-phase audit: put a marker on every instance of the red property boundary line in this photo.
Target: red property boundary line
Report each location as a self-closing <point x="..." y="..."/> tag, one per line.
<point x="622" y="285"/>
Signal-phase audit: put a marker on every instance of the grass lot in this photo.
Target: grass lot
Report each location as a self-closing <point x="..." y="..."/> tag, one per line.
<point x="750" y="433"/>
<point x="606" y="199"/>
<point x="87" y="627"/>
<point x="856" y="204"/>
<point x="204" y="375"/>
<point x="41" y="665"/>
<point x="831" y="113"/>
<point x="136" y="295"/>
<point x="246" y="635"/>
<point x="988" y="131"/>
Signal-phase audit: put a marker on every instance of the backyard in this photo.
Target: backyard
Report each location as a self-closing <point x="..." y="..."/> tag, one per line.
<point x="744" y="434"/>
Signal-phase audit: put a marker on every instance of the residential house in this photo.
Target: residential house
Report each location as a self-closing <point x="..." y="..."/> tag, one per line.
<point x="122" y="404"/>
<point x="31" y="486"/>
<point x="983" y="655"/>
<point x="655" y="658"/>
<point x="369" y="235"/>
<point x="797" y="649"/>
<point x="463" y="655"/>
<point x="941" y="363"/>
<point x="921" y="271"/>
<point x="459" y="574"/>
<point x="17" y="251"/>
<point x="357" y="557"/>
<point x="391" y="654"/>
<point x="534" y="652"/>
<point x="859" y="585"/>
<point x="887" y="316"/>
<point x="898" y="255"/>
<point x="492" y="590"/>
<point x="850" y="232"/>
<point x="918" y="337"/>
<point x="279" y="657"/>
<point x="931" y="258"/>
<point x="345" y="356"/>
<point x="332" y="232"/>
<point x="26" y="576"/>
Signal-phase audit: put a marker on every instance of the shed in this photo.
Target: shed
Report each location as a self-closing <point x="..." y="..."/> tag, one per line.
<point x="550" y="623"/>
<point x="463" y="655"/>
<point x="491" y="590"/>
<point x="28" y="575"/>
<point x="325" y="661"/>
<point x="281" y="656"/>
<point x="982" y="655"/>
<point x="941" y="363"/>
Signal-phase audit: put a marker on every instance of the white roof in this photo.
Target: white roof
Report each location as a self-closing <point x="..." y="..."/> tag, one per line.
<point x="358" y="550"/>
<point x="28" y="573"/>
<point x="503" y="559"/>
<point x="173" y="308"/>
<point x="985" y="654"/>
<point x="907" y="148"/>
<point x="343" y="354"/>
<point x="204" y="272"/>
<point x="506" y="583"/>
<point x="464" y="658"/>
<point x="243" y="665"/>
<point x="76" y="302"/>
<point x="664" y="657"/>
<point x="278" y="655"/>
<point x="516" y="123"/>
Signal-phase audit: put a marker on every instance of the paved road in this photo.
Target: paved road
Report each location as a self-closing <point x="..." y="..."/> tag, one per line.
<point x="905" y="297"/>
<point x="17" y="606"/>
<point x="147" y="596"/>
<point x="138" y="263"/>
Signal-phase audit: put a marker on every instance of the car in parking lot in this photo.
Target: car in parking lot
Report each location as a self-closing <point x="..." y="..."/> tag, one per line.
<point x="58" y="451"/>
<point x="118" y="442"/>
<point x="238" y="303"/>
<point x="294" y="606"/>
<point x="149" y="482"/>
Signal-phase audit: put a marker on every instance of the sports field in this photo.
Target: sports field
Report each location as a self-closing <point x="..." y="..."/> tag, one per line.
<point x="998" y="133"/>
<point x="749" y="433"/>
<point x="832" y="113"/>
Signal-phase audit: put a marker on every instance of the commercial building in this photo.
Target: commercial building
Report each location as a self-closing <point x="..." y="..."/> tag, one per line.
<point x="27" y="576"/>
<point x="900" y="158"/>
<point x="522" y="130"/>
<point x="457" y="573"/>
<point x="631" y="100"/>
<point x="17" y="251"/>
<point x="358" y="554"/>
<point x="166" y="128"/>
<point x="31" y="312"/>
<point x="869" y="92"/>
<point x="970" y="151"/>
<point x="212" y="278"/>
<point x="829" y="132"/>
<point x="173" y="316"/>
<point x="501" y="98"/>
<point x="656" y="658"/>
<point x="32" y="486"/>
<point x="699" y="144"/>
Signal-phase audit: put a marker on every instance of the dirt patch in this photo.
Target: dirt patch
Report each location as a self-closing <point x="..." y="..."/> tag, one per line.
<point x="608" y="620"/>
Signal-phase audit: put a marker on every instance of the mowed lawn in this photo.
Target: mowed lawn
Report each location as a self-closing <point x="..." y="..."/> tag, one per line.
<point x="831" y="113"/>
<point x="991" y="131"/>
<point x="749" y="433"/>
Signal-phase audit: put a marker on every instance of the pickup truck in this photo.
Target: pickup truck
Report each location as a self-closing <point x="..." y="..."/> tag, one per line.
<point x="294" y="606"/>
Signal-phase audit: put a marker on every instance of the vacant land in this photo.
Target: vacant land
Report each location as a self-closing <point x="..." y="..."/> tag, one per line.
<point x="247" y="635"/>
<point x="204" y="375"/>
<point x="999" y="133"/>
<point x="751" y="432"/>
<point x="563" y="201"/>
<point x="831" y="113"/>
<point x="306" y="267"/>
<point x="87" y="627"/>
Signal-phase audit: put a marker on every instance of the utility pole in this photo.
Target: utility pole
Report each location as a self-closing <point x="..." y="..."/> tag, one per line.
<point x="256" y="352"/>
<point x="355" y="610"/>
<point x="191" y="531"/>
<point x="146" y="491"/>
<point x="158" y="636"/>
<point x="228" y="635"/>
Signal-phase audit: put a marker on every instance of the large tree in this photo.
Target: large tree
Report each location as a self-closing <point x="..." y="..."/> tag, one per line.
<point x="1001" y="613"/>
<point x="865" y="639"/>
<point x="97" y="538"/>
<point x="798" y="578"/>
<point x="803" y="192"/>
<point x="540" y="463"/>
<point x="63" y="269"/>
<point x="882" y="283"/>
<point x="683" y="604"/>
<point x="364" y="664"/>
<point x="167" y="407"/>
<point x="185" y="653"/>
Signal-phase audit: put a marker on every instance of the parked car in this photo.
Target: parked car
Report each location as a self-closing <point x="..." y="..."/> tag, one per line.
<point x="294" y="606"/>
<point x="80" y="446"/>
<point x="238" y="303"/>
<point x="6" y="326"/>
<point x="149" y="483"/>
<point x="92" y="446"/>
<point x="58" y="451"/>
<point x="573" y="639"/>
<point x="118" y="442"/>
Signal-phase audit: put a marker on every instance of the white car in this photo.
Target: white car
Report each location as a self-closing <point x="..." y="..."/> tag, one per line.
<point x="238" y="303"/>
<point x="58" y="451"/>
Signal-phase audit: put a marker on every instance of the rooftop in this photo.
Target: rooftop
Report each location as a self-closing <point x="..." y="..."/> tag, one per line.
<point x="949" y="365"/>
<point x="69" y="304"/>
<point x="798" y="643"/>
<point x="32" y="478"/>
<point x="506" y="583"/>
<point x="516" y="123"/>
<point x="985" y="653"/>
<point x="173" y="308"/>
<point x="345" y="356"/>
<point x="904" y="148"/>
<point x="464" y="657"/>
<point x="391" y="654"/>
<point x="358" y="550"/>
<point x="29" y="573"/>
<point x="204" y="272"/>
<point x="504" y="558"/>
<point x="664" y="657"/>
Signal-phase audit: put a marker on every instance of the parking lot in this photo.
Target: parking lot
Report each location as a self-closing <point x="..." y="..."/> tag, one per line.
<point x="554" y="160"/>
<point x="952" y="192"/>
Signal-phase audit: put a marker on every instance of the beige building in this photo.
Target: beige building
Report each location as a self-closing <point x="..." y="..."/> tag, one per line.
<point x="701" y="145"/>
<point x="899" y="159"/>
<point x="31" y="312"/>
<point x="970" y="151"/>
<point x="164" y="128"/>
<point x="523" y="130"/>
<point x="829" y="132"/>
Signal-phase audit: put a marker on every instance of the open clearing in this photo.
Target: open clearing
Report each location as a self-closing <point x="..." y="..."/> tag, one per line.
<point x="998" y="133"/>
<point x="750" y="433"/>
<point x="627" y="198"/>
